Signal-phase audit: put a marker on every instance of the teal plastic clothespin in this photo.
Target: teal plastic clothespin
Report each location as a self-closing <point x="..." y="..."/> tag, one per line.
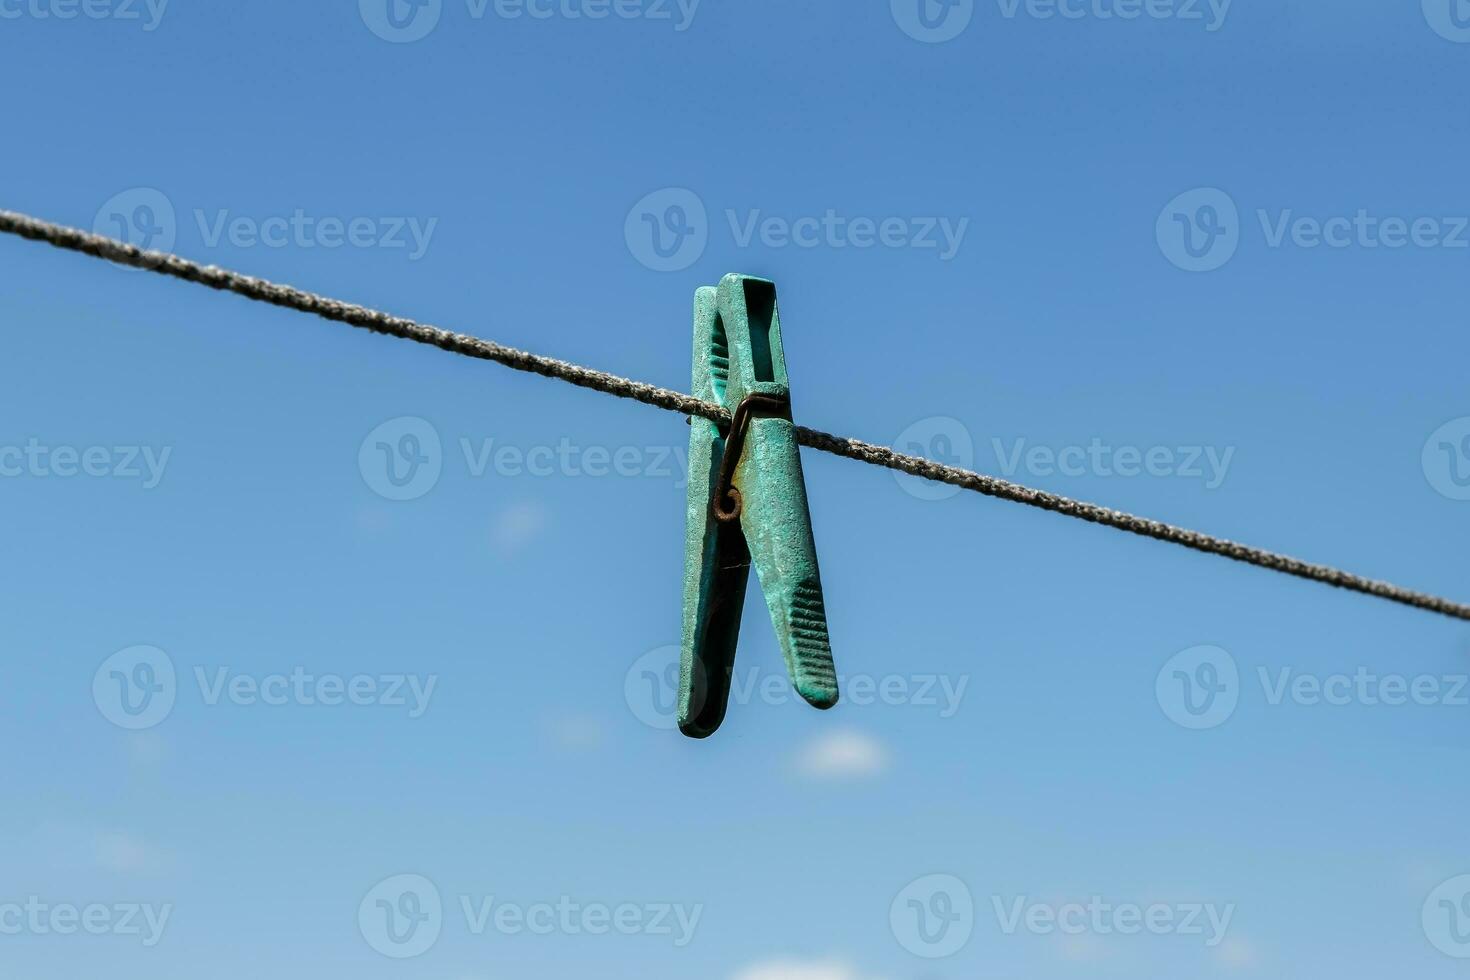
<point x="747" y="502"/>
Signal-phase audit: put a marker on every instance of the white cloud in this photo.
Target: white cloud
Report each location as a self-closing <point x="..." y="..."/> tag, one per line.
<point x="1236" y="953"/>
<point x="77" y="847"/>
<point x="842" y="755"/>
<point x="146" y="750"/>
<point x="574" y="733"/>
<point x="1086" y="948"/>
<point x="371" y="520"/>
<point x="124" y="853"/>
<point x="800" y="970"/>
<point x="518" y="525"/>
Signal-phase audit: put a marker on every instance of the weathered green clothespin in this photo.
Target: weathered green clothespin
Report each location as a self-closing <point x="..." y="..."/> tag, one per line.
<point x="747" y="501"/>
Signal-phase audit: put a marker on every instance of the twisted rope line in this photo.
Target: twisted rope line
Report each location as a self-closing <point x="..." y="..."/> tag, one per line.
<point x="289" y="297"/>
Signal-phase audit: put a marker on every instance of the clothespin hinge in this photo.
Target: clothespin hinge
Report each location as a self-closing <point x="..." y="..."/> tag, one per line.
<point x="725" y="501"/>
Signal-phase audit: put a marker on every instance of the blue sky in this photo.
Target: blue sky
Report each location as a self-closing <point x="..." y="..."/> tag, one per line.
<point x="276" y="709"/>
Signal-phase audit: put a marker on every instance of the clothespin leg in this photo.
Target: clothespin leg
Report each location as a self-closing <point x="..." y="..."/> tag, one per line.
<point x="716" y="561"/>
<point x="778" y="534"/>
<point x="773" y="505"/>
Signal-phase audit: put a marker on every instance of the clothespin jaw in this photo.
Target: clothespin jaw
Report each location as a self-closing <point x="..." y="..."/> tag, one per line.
<point x="747" y="505"/>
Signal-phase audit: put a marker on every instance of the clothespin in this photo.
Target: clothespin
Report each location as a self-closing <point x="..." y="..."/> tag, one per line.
<point x="747" y="503"/>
